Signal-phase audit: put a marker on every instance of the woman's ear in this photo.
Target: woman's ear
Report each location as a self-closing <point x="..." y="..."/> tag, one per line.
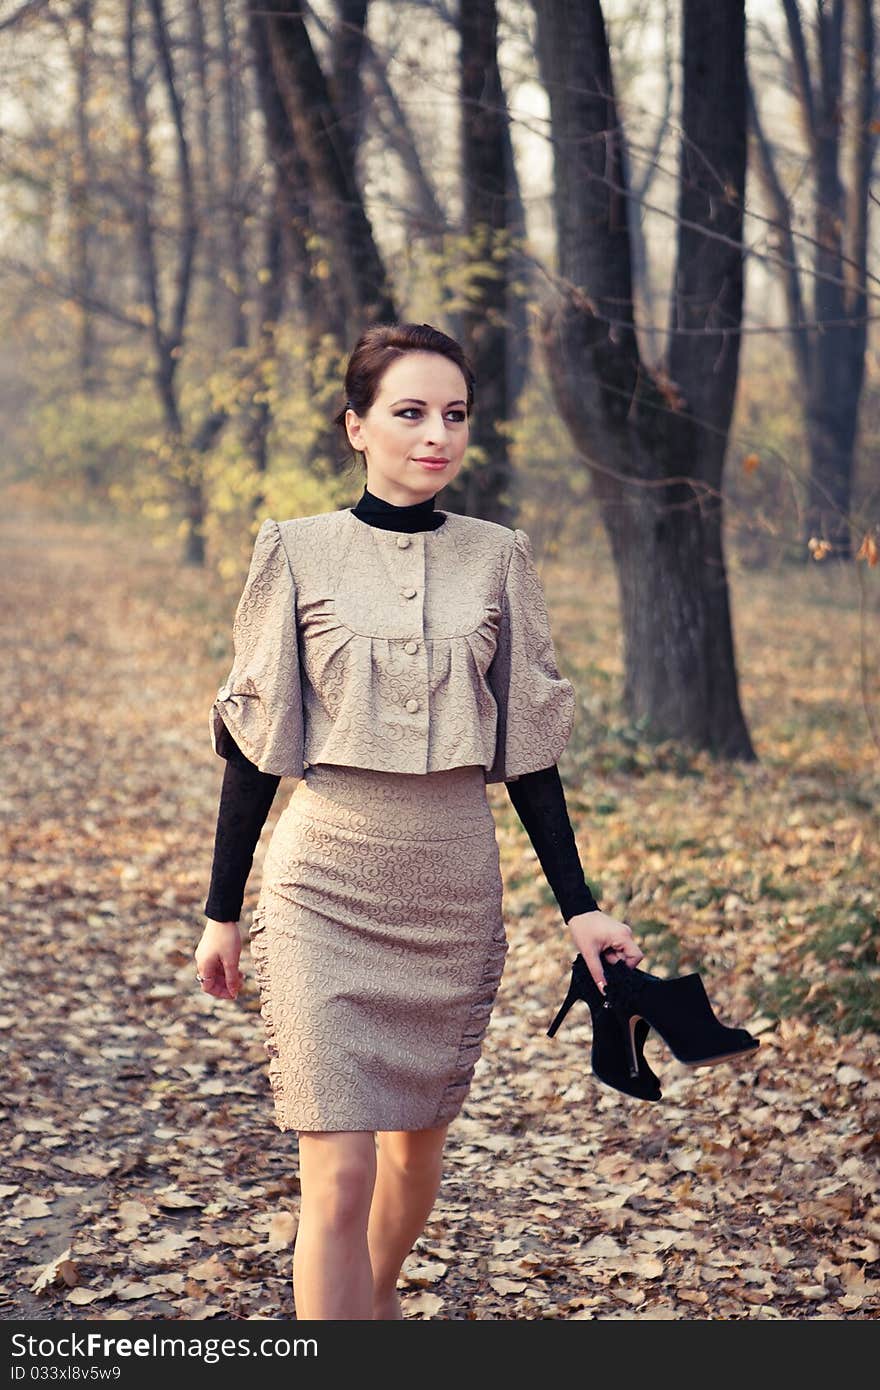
<point x="353" y="430"/>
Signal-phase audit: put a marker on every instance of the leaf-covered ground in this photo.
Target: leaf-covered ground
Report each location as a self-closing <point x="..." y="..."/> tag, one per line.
<point x="143" y="1176"/>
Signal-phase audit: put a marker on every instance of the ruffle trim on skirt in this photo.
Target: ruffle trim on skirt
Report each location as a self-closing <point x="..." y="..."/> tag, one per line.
<point x="259" y="957"/>
<point x="474" y="1030"/>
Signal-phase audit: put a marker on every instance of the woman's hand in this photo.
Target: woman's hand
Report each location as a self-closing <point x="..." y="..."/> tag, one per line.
<point x="596" y="931"/>
<point x="217" y="956"/>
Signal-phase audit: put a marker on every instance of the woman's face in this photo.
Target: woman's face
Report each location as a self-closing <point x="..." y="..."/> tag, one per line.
<point x="420" y="413"/>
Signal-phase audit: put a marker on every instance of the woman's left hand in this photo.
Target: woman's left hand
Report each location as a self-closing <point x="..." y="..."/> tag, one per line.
<point x="594" y="932"/>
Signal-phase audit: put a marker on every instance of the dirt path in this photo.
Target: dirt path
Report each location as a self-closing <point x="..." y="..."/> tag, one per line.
<point x="138" y="1134"/>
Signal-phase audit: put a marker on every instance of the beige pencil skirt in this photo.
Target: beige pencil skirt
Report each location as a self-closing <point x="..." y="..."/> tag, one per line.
<point x="378" y="944"/>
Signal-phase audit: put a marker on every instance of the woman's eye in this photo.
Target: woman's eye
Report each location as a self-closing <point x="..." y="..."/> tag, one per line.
<point x="457" y="415"/>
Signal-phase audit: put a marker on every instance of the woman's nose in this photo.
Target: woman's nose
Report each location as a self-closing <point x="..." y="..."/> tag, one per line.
<point x="435" y="429"/>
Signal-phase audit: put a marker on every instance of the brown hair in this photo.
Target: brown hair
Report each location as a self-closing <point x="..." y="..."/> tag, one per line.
<point x="379" y="346"/>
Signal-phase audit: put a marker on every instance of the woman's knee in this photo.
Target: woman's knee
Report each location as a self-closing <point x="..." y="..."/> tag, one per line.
<point x="337" y="1176"/>
<point x="413" y="1153"/>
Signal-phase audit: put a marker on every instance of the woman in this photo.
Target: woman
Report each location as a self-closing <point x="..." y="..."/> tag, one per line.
<point x="378" y="937"/>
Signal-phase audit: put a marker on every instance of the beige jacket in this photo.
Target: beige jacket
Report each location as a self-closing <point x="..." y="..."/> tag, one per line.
<point x="399" y="652"/>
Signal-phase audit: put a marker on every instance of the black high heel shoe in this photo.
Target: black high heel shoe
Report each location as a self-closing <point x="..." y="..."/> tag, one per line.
<point x="616" y="1056"/>
<point x="679" y="1010"/>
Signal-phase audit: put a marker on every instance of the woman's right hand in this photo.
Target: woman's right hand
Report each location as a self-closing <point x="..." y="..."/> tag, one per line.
<point x="217" y="956"/>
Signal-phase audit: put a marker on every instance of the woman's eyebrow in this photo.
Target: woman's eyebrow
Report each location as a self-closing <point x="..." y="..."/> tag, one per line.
<point x="413" y="400"/>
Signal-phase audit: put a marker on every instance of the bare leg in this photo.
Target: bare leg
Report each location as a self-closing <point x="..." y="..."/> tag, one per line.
<point x="332" y="1275"/>
<point x="407" y="1178"/>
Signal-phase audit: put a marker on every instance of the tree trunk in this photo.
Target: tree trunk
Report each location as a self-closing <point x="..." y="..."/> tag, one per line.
<point x="425" y="217"/>
<point x="230" y="182"/>
<point x="82" y="188"/>
<point x="484" y="487"/>
<point x="183" y="470"/>
<point x="830" y="352"/>
<point x="319" y="306"/>
<point x="348" y="44"/>
<point x="830" y="415"/>
<point x="270" y="297"/>
<point x="655" y="443"/>
<point x="343" y="283"/>
<point x="650" y="335"/>
<point x="349" y="255"/>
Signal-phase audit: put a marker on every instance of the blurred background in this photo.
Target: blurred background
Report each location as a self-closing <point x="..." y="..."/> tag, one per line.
<point x="205" y="201"/>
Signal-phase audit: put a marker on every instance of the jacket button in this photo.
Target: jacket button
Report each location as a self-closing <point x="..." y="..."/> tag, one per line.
<point x="412" y="706"/>
<point x="403" y="542"/>
<point x="408" y="593"/>
<point x="411" y="647"/>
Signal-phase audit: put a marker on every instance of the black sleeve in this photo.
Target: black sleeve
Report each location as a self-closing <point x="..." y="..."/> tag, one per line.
<point x="246" y="797"/>
<point x="539" y="799"/>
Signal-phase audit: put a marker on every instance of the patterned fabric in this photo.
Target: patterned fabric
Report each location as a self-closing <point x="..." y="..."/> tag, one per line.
<point x="378" y="944"/>
<point x="246" y="797"/>
<point x="363" y="647"/>
<point x="261" y="701"/>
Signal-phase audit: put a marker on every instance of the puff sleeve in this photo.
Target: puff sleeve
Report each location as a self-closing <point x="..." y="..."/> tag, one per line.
<point x="535" y="704"/>
<point x="260" y="703"/>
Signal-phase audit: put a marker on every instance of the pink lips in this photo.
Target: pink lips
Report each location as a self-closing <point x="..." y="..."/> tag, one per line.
<point x="433" y="463"/>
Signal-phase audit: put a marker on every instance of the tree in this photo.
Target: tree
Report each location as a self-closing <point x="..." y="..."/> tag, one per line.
<point x="654" y="439"/>
<point x="828" y="337"/>
<point x="490" y="196"/>
<point x="319" y="141"/>
<point x="167" y="324"/>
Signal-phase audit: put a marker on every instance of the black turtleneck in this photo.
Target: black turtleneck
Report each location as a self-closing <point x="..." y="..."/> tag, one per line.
<point x="414" y="516"/>
<point x="247" y="794"/>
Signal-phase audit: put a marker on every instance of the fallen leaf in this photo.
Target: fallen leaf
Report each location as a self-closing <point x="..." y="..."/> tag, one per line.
<point x="132" y="1213"/>
<point x="425" y="1272"/>
<point x="849" y="1076"/>
<point x="505" y="1286"/>
<point x="61" y="1268"/>
<point x="166" y="1248"/>
<point x="422" y="1304"/>
<point x="29" y="1208"/>
<point x="173" y="1200"/>
<point x="282" y="1230"/>
<point x="601" y="1247"/>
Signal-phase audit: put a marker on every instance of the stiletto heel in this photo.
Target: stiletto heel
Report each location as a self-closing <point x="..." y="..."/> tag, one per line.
<point x="680" y="1011"/>
<point x="616" y="1057"/>
<point x="564" y="1008"/>
<point x="632" y="1048"/>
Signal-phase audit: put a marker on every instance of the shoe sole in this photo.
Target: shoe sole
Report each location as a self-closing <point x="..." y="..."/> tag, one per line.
<point x="705" y="1061"/>
<point x="712" y="1061"/>
<point x="629" y="1094"/>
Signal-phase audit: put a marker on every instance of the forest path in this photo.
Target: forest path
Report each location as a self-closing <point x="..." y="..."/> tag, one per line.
<point x="138" y="1130"/>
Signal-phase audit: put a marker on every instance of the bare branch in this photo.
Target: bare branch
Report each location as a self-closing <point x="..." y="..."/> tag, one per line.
<point x="57" y="287"/>
<point x="29" y="10"/>
<point x="779" y="203"/>
<point x="188" y="216"/>
<point x="801" y="74"/>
